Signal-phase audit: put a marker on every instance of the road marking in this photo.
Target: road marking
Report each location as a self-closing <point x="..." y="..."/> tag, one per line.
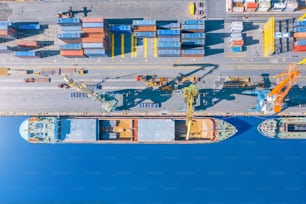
<point x="122" y="45"/>
<point x="55" y="87"/>
<point x="145" y="44"/>
<point x="155" y="47"/>
<point x="132" y="46"/>
<point x="135" y="46"/>
<point x="113" y="46"/>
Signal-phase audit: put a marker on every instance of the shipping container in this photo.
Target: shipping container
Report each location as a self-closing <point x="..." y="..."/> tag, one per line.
<point x="300" y="35"/>
<point x="28" y="27"/>
<point x="73" y="46"/>
<point x="92" y="25"/>
<point x="193" y="36"/>
<point x="68" y="21"/>
<point x="168" y="32"/>
<point x="92" y="30"/>
<point x="95" y="52"/>
<point x="169" y="53"/>
<point x="92" y="45"/>
<point x="193" y="52"/>
<point x="236" y="49"/>
<point x="69" y="35"/>
<point x="194" y="22"/>
<point x="300" y="43"/>
<point x="26" y="54"/>
<point x="174" y="45"/>
<point x="253" y="5"/>
<point x="4" y="71"/>
<point x="28" y="43"/>
<point x="71" y="28"/>
<point x="144" y="28"/>
<point x="237" y="9"/>
<point x="72" y="53"/>
<point x="144" y="22"/>
<point x="299" y="23"/>
<point x="299" y="29"/>
<point x="168" y="39"/>
<point x="38" y="80"/>
<point x="144" y="34"/>
<point x="93" y="35"/>
<point x="63" y="71"/>
<point x="169" y="25"/>
<point x="237" y="42"/>
<point x="92" y="20"/>
<point x="120" y="28"/>
<point x="92" y="40"/>
<point x="193" y="42"/>
<point x="68" y="41"/>
<point x="299" y="48"/>
<point x="196" y="28"/>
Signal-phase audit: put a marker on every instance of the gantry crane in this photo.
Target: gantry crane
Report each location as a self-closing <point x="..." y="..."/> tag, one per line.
<point x="108" y="104"/>
<point x="190" y="95"/>
<point x="274" y="100"/>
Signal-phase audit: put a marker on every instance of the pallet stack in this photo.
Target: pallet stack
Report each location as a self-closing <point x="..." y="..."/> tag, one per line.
<point x="144" y="28"/>
<point x="71" y="34"/>
<point x="299" y="28"/>
<point x="193" y="38"/>
<point x="93" y="37"/>
<point x="169" y="41"/>
<point x="237" y="41"/>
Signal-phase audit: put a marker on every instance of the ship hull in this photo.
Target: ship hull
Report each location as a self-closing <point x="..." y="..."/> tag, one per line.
<point x="284" y="128"/>
<point x="105" y="130"/>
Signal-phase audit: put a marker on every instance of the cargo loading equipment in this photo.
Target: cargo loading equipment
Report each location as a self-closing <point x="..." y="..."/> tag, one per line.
<point x="108" y="103"/>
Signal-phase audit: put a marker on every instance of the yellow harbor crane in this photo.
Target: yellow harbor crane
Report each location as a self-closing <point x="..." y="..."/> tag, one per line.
<point x="190" y="95"/>
<point x="108" y="104"/>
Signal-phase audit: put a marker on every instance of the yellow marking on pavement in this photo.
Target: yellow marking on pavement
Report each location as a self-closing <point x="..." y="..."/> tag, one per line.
<point x="145" y="44"/>
<point x="155" y="47"/>
<point x="122" y="45"/>
<point x="113" y="46"/>
<point x="132" y="46"/>
<point x="135" y="46"/>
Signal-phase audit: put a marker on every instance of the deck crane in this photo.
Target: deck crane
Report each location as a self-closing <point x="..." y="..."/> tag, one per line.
<point x="190" y="95"/>
<point x="108" y="104"/>
<point x="273" y="101"/>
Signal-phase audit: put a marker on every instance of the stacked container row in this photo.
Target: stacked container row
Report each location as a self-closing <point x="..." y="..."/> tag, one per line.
<point x="237" y="41"/>
<point x="7" y="31"/>
<point x="144" y="28"/>
<point x="299" y="28"/>
<point x="193" y="38"/>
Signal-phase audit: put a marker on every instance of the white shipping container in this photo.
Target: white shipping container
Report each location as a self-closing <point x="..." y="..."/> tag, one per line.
<point x="238" y="9"/>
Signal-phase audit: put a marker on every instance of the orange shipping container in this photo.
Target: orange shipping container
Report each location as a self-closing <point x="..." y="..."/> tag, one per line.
<point x="300" y="35"/>
<point x="28" y="43"/>
<point x="251" y="5"/>
<point x="71" y="53"/>
<point x="91" y="40"/>
<point x="3" y="32"/>
<point x="92" y="20"/>
<point x="92" y="30"/>
<point x="237" y="42"/>
<point x="145" y="28"/>
<point x="93" y="35"/>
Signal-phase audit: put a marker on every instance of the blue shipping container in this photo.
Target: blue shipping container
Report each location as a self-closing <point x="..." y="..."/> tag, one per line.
<point x="193" y="42"/>
<point x="5" y="23"/>
<point x="144" y="22"/>
<point x="170" y="53"/>
<point x="92" y="25"/>
<point x="95" y="52"/>
<point x="168" y="39"/>
<point x="300" y="42"/>
<point x="73" y="46"/>
<point x="169" y="44"/>
<point x="193" y="36"/>
<point x="168" y="32"/>
<point x="193" y="27"/>
<point x="299" y="29"/>
<point x="193" y="52"/>
<point x="169" y="25"/>
<point x="68" y="20"/>
<point x="92" y="45"/>
<point x="69" y="35"/>
<point x="28" y="27"/>
<point x="236" y="49"/>
<point x="300" y="23"/>
<point x="71" y="28"/>
<point x="25" y="54"/>
<point x="193" y="22"/>
<point x="144" y="34"/>
<point x="120" y="28"/>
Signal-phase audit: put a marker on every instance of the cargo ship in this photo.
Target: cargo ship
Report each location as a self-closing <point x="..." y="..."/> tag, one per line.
<point x="123" y="130"/>
<point x="284" y="128"/>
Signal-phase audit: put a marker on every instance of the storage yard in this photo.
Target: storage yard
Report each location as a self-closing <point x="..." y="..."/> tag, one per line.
<point x="238" y="54"/>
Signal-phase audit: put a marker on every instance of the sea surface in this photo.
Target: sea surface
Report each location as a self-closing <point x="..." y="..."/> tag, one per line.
<point x="246" y="169"/>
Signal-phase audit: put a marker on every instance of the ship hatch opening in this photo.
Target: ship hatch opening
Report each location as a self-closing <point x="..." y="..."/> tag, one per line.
<point x="296" y="127"/>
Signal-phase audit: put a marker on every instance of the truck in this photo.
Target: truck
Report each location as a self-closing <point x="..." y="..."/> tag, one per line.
<point x="7" y="71"/>
<point x="37" y="80"/>
<point x="238" y="82"/>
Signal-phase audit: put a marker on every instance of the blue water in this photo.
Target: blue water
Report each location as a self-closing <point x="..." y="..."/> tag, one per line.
<point x="247" y="168"/>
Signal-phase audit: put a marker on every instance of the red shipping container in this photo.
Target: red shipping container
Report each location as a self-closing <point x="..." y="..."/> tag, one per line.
<point x="92" y="30"/>
<point x="72" y="53"/>
<point x="93" y="35"/>
<point x="91" y="40"/>
<point x="72" y="41"/>
<point x="251" y="5"/>
<point x="145" y="28"/>
<point x="237" y="42"/>
<point x="92" y="20"/>
<point x="301" y="48"/>
<point x="27" y="43"/>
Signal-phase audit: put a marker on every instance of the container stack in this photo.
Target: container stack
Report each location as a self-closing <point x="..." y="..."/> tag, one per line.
<point x="7" y="31"/>
<point x="71" y="34"/>
<point x="168" y="43"/>
<point x="237" y="41"/>
<point x="144" y="28"/>
<point x="264" y="5"/>
<point x="93" y="37"/>
<point x="26" y="26"/>
<point x="238" y="6"/>
<point x="193" y="38"/>
<point x="250" y="5"/>
<point x="26" y="54"/>
<point x="299" y="28"/>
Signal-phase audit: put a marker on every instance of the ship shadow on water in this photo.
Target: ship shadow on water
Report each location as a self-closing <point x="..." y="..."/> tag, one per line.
<point x="241" y="125"/>
<point x="297" y="97"/>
